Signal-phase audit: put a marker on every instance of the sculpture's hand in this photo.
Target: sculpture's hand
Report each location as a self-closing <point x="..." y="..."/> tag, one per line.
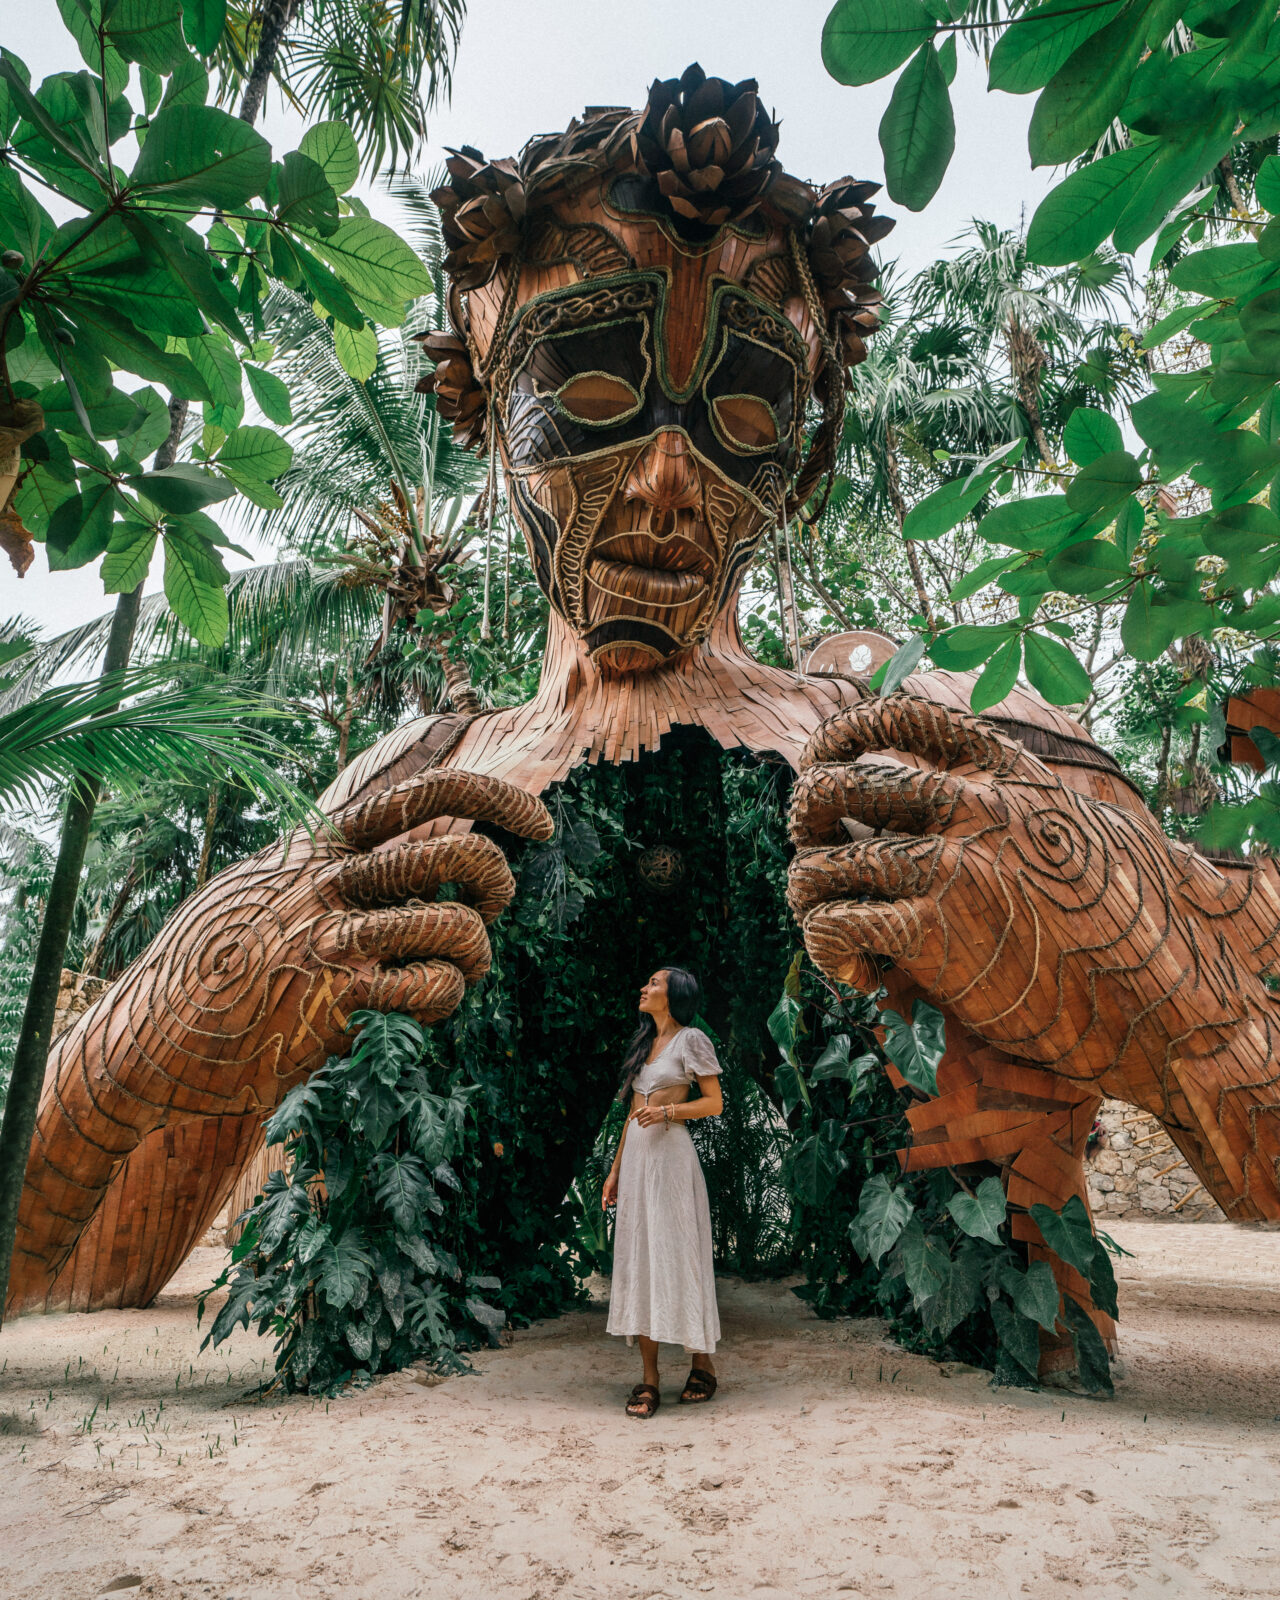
<point x="1047" y="922"/>
<point x="253" y="983"/>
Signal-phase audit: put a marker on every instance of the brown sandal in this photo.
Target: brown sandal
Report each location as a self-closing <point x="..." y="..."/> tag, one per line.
<point x="644" y="1394"/>
<point x="699" y="1386"/>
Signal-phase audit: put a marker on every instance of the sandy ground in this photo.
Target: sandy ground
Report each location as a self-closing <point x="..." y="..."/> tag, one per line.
<point x="831" y="1463"/>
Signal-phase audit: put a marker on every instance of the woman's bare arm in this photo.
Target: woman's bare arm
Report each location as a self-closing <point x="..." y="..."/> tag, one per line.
<point x="709" y="1104"/>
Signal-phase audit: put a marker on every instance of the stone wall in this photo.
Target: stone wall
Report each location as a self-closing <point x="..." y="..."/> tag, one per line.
<point x="76" y="993"/>
<point x="1135" y="1170"/>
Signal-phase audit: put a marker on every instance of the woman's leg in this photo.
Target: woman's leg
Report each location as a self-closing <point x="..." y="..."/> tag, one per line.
<point x="649" y="1355"/>
<point x="700" y="1358"/>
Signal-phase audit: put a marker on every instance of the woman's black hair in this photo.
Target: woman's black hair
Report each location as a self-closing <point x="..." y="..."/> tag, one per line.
<point x="683" y="994"/>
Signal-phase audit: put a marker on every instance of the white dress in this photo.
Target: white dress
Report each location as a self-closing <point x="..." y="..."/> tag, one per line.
<point x="663" y="1278"/>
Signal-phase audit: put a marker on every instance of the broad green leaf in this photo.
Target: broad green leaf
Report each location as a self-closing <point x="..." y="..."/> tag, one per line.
<point x="37" y="497"/>
<point x="255" y="452"/>
<point x="1176" y="322"/>
<point x="1093" y="1366"/>
<point x="203" y="22"/>
<point x="863" y="40"/>
<point x="181" y="488"/>
<point x="1222" y="271"/>
<point x="1069" y="1233"/>
<point x="918" y="131"/>
<point x="217" y="364"/>
<point x="357" y="350"/>
<point x="184" y="253"/>
<point x="1036" y="42"/>
<point x="1078" y="214"/>
<point x="916" y="1047"/>
<point x="1019" y="1346"/>
<point x="188" y="85"/>
<point x="345" y="1265"/>
<point x="1039" y="523"/>
<point x="78" y="15"/>
<point x="1088" y="568"/>
<point x="980" y="576"/>
<point x="25" y="226"/>
<point x="332" y="146"/>
<point x="375" y="264"/>
<point x="1034" y="1292"/>
<point x="1235" y="466"/>
<point x="883" y="1212"/>
<point x="1054" y="671"/>
<point x="1267" y="184"/>
<point x="307" y="200"/>
<point x="899" y="667"/>
<point x="956" y="1297"/>
<point x="128" y="557"/>
<point x="80" y="528"/>
<point x="321" y="283"/>
<point x="1104" y="484"/>
<point x="146" y="31"/>
<point x="147" y="294"/>
<point x="967" y="646"/>
<point x="981" y="1214"/>
<point x="1260" y="323"/>
<point x="271" y="394"/>
<point x="1167" y="180"/>
<point x="200" y="156"/>
<point x="783" y="1021"/>
<point x="1090" y="433"/>
<point x="813" y="1166"/>
<point x="197" y="602"/>
<point x="998" y="677"/>
<point x="941" y="510"/>
<point x="1085" y="94"/>
<point x="105" y="331"/>
<point x="924" y="1262"/>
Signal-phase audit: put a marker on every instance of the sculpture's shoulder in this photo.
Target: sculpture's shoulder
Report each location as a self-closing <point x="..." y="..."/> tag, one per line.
<point x="1061" y="742"/>
<point x="396" y="757"/>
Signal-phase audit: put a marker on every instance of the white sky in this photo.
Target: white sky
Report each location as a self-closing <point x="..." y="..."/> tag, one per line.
<point x="528" y="68"/>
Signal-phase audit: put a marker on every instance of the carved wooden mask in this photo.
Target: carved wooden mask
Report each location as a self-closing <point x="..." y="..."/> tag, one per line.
<point x="648" y="394"/>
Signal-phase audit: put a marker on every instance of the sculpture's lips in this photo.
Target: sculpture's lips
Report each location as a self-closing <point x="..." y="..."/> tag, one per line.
<point x="648" y="586"/>
<point x="673" y="552"/>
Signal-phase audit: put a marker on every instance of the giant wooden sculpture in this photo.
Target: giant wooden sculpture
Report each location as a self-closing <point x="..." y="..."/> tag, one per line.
<point x="645" y="311"/>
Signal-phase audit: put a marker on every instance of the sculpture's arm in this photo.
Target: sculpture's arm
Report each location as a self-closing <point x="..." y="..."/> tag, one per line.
<point x="252" y="984"/>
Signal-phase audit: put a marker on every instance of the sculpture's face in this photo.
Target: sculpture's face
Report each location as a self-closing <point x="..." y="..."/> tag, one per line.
<point x="648" y="397"/>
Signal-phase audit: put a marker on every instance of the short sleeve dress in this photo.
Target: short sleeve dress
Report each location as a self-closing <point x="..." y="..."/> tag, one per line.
<point x="663" y="1277"/>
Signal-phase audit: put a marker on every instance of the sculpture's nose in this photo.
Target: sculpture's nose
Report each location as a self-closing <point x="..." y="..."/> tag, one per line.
<point x="664" y="475"/>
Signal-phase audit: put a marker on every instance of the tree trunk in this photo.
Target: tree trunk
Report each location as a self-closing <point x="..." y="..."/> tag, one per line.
<point x="279" y="15"/>
<point x="457" y="680"/>
<point x="206" y="848"/>
<point x="32" y="1052"/>
<point x="894" y="483"/>
<point x="121" y="900"/>
<point x="1026" y="359"/>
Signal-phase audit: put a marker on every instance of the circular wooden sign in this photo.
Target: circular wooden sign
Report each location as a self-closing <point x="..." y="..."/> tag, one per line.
<point x="858" y="653"/>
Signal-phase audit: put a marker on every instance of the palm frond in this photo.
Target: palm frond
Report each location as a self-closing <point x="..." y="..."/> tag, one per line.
<point x="175" y="735"/>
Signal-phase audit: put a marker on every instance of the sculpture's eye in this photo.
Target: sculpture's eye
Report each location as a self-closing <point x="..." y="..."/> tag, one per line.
<point x="597" y="398"/>
<point x="745" y="422"/>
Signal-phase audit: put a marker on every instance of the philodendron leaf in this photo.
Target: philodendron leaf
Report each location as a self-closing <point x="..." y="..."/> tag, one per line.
<point x="980" y="1214"/>
<point x="883" y="1212"/>
<point x="916" y="1047"/>
<point x="924" y="1262"/>
<point x="1068" y="1233"/>
<point x="1093" y="1366"/>
<point x="1034" y="1292"/>
<point x="1019" y="1344"/>
<point x="813" y="1166"/>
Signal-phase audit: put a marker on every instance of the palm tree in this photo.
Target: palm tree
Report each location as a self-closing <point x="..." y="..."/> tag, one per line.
<point x="377" y="65"/>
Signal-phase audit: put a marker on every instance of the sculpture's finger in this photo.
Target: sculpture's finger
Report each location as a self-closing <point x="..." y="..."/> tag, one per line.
<point x="451" y="931"/>
<point x="445" y="792"/>
<point x="427" y="990"/>
<point x="415" y="871"/>
<point x="886" y="869"/>
<point x="924" y="728"/>
<point x="852" y="942"/>
<point x="882" y="794"/>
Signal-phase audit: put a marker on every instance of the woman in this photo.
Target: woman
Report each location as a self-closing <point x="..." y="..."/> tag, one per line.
<point x="664" y="1286"/>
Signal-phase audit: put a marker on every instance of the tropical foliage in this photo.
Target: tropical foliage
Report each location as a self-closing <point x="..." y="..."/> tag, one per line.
<point x="1170" y="113"/>
<point x="350" y="1256"/>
